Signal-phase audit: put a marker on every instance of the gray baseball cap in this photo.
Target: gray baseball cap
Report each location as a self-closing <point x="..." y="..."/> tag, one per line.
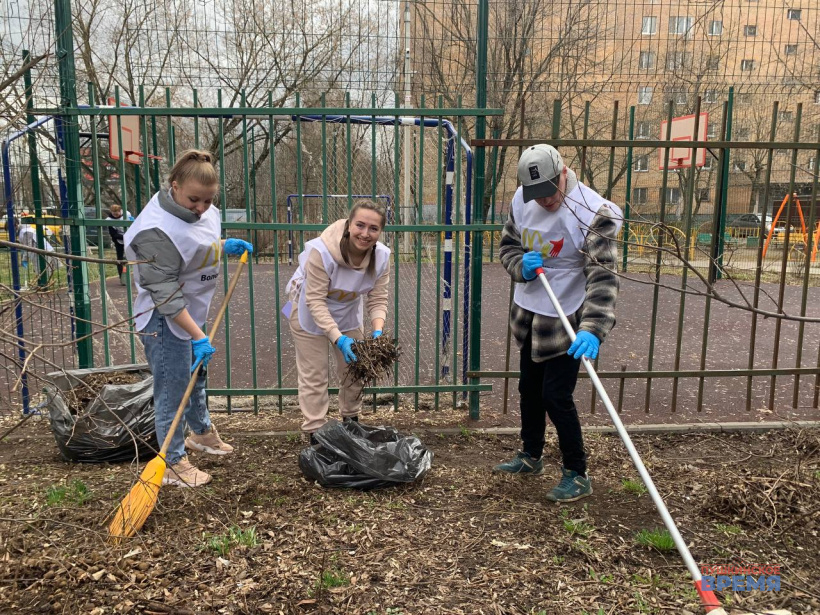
<point x="539" y="169"/>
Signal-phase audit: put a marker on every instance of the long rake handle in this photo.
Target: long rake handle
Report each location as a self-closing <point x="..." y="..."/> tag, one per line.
<point x="192" y="382"/>
<point x="708" y="599"/>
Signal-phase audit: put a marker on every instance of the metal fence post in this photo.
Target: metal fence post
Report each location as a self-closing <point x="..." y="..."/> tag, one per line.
<point x="476" y="253"/>
<point x="70" y="129"/>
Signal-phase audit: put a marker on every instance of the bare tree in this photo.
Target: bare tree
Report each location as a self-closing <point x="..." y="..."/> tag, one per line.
<point x="535" y="47"/>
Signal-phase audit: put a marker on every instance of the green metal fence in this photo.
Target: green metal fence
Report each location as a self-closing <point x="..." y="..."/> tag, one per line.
<point x="697" y="254"/>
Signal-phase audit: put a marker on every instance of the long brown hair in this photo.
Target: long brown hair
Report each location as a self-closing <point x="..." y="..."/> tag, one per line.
<point x="344" y="244"/>
<point x="194" y="164"/>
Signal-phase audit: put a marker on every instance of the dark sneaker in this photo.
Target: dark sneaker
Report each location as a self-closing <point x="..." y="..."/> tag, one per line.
<point x="572" y="487"/>
<point x="354" y="418"/>
<point x="522" y="463"/>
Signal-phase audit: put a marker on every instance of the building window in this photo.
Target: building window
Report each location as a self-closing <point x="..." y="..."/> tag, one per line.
<point x="817" y="97"/>
<point x="738" y="166"/>
<point x="750" y="30"/>
<point x="704" y="195"/>
<point x="790" y="50"/>
<point x="747" y="65"/>
<point x="715" y="28"/>
<point x="786" y="116"/>
<point x="649" y="26"/>
<point x="707" y="162"/>
<point x="641" y="163"/>
<point x="677" y="60"/>
<point x="644" y="130"/>
<point x="644" y="94"/>
<point x="811" y="163"/>
<point x="680" y="25"/>
<point x="711" y="132"/>
<point x="679" y="96"/>
<point x="742" y="133"/>
<point x="793" y="14"/>
<point x="743" y="98"/>
<point x="712" y="64"/>
<point x="710" y="96"/>
<point x="646" y="61"/>
<point x="639" y="196"/>
<point x="672" y="195"/>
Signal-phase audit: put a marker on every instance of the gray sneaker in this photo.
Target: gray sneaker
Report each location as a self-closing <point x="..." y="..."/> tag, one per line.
<point x="572" y="487"/>
<point x="522" y="463"/>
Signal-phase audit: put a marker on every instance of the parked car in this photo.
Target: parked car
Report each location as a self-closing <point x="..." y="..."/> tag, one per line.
<point x="750" y="221"/>
<point x="236" y="215"/>
<point x="92" y="233"/>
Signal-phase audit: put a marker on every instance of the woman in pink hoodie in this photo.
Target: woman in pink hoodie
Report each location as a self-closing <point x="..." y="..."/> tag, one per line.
<point x="340" y="273"/>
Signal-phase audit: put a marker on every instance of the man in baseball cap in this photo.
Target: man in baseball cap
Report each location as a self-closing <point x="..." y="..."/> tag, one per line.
<point x="539" y="171"/>
<point x="557" y="224"/>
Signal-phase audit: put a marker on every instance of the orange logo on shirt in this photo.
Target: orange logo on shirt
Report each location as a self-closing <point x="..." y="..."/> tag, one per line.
<point x="342" y="295"/>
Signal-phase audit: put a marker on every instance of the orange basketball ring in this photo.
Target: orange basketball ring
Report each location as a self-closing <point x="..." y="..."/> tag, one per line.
<point x="805" y="232"/>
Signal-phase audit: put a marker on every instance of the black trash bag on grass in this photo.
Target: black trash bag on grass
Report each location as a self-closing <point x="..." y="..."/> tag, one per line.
<point x="360" y="456"/>
<point x="107" y="429"/>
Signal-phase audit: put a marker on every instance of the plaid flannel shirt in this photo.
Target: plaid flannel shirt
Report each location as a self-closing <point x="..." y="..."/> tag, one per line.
<point x="596" y="314"/>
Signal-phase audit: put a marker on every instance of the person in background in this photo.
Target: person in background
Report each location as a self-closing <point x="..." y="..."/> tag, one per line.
<point x="118" y="238"/>
<point x="178" y="236"/>
<point x="558" y="224"/>
<point x="342" y="272"/>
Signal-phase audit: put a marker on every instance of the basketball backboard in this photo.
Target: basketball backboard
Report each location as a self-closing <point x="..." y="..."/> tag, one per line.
<point x="130" y="131"/>
<point x="683" y="129"/>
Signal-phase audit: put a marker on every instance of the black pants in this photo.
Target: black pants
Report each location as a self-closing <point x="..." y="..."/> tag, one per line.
<point x="546" y="388"/>
<point x="120" y="248"/>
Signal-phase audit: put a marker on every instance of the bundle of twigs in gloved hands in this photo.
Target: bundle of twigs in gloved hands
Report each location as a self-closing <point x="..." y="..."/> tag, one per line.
<point x="374" y="360"/>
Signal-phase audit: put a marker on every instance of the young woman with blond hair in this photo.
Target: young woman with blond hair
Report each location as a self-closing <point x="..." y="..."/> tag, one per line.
<point x="179" y="235"/>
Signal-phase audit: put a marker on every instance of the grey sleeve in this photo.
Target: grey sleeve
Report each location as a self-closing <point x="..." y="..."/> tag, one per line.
<point x="160" y="276"/>
<point x="511" y="250"/>
<point x="602" y="283"/>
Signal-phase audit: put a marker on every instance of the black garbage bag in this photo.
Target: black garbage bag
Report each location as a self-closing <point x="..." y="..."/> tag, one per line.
<point x="116" y="426"/>
<point x="360" y="456"/>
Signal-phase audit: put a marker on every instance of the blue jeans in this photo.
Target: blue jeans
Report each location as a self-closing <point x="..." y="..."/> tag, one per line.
<point x="170" y="359"/>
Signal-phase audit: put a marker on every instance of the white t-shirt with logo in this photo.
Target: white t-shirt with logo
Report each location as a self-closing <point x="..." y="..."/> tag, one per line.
<point x="560" y="237"/>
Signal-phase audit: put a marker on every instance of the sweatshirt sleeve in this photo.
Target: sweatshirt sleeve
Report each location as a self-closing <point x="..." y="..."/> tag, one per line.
<point x="160" y="276"/>
<point x="602" y="284"/>
<point x="317" y="282"/>
<point x="511" y="251"/>
<point x="376" y="301"/>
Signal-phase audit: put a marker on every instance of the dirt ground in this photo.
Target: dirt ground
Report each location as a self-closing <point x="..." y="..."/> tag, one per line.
<point x="262" y="539"/>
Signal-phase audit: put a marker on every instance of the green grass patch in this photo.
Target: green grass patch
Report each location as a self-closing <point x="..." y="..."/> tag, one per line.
<point x="635" y="487"/>
<point x="729" y="530"/>
<point x="76" y="493"/>
<point x="578" y="527"/>
<point x="222" y="544"/>
<point x="659" y="539"/>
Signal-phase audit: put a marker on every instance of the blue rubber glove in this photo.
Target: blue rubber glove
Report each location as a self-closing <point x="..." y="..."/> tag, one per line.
<point x="377" y="333"/>
<point x="237" y="246"/>
<point x="531" y="262"/>
<point x="345" y="344"/>
<point x="203" y="351"/>
<point x="585" y="344"/>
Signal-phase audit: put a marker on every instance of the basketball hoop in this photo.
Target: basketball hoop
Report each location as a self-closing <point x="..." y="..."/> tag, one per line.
<point x="129" y="132"/>
<point x="683" y="129"/>
<point x="142" y="155"/>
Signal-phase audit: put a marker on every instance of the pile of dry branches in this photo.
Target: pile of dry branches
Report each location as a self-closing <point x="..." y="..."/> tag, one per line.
<point x="375" y="359"/>
<point x="78" y="398"/>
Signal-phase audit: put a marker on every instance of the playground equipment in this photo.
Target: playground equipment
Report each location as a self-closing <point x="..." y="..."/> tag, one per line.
<point x="803" y="230"/>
